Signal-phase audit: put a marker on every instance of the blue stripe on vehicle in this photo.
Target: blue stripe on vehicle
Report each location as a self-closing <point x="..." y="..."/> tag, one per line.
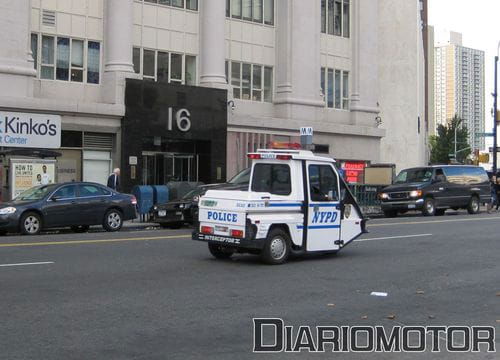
<point x="300" y="227"/>
<point x="284" y="204"/>
<point x="325" y="205"/>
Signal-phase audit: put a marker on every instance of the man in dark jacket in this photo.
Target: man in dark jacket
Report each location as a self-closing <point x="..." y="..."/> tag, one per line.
<point x="114" y="180"/>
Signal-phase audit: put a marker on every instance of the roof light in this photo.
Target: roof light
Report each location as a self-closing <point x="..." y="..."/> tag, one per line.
<point x="285" y="145"/>
<point x="254" y="156"/>
<point x="284" y="157"/>
<point x="270" y="156"/>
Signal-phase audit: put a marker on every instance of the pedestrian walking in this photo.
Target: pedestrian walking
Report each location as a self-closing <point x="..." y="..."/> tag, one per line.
<point x="114" y="180"/>
<point x="494" y="197"/>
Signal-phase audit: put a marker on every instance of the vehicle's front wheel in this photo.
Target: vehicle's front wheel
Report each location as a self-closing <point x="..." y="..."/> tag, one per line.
<point x="474" y="206"/>
<point x="429" y="207"/>
<point x="220" y="252"/>
<point x="276" y="248"/>
<point x="79" y="229"/>
<point x="113" y="220"/>
<point x="31" y="224"/>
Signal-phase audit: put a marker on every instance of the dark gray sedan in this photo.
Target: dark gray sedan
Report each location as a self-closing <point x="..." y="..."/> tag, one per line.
<point x="77" y="205"/>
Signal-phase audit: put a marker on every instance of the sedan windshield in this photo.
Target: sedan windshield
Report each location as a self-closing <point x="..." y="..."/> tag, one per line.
<point x="241" y="178"/>
<point x="414" y="176"/>
<point x="35" y="193"/>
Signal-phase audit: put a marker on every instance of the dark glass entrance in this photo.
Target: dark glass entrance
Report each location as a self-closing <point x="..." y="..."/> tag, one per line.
<point x="162" y="168"/>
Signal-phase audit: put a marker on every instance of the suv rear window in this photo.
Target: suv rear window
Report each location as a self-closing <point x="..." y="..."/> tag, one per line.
<point x="272" y="178"/>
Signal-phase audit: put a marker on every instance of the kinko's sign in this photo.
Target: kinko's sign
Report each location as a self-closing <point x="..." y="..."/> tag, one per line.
<point x="30" y="130"/>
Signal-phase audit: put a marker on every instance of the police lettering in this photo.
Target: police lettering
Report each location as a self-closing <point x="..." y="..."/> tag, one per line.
<point x="324" y="217"/>
<point x="222" y="216"/>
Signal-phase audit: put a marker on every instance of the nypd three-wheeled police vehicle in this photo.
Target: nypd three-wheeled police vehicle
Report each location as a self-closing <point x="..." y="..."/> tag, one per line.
<point x="296" y="203"/>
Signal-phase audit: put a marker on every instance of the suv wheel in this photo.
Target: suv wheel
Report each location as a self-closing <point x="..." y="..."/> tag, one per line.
<point x="474" y="206"/>
<point x="429" y="207"/>
<point x="276" y="248"/>
<point x="31" y="224"/>
<point x="220" y="252"/>
<point x="113" y="220"/>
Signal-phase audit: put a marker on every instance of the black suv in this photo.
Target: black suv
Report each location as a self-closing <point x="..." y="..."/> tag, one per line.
<point x="434" y="189"/>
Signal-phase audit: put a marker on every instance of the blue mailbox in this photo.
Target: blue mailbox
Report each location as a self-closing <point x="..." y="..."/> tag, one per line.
<point x="160" y="194"/>
<point x="145" y="198"/>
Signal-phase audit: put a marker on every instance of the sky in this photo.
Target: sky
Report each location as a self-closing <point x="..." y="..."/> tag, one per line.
<point x="479" y="23"/>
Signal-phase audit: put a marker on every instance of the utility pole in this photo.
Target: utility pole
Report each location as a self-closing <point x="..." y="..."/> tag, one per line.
<point x="456" y="126"/>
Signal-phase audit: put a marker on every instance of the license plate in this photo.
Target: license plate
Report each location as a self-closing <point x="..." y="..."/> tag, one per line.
<point x="221" y="228"/>
<point x="412" y="206"/>
<point x="162" y="213"/>
<point x="178" y="213"/>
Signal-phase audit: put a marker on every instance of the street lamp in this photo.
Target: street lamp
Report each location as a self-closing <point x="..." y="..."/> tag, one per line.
<point x="495" y="112"/>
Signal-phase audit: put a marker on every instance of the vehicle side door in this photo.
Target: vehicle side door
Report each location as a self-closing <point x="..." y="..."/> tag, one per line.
<point x="324" y="211"/>
<point x="61" y="208"/>
<point x="458" y="192"/>
<point x="439" y="188"/>
<point x="95" y="201"/>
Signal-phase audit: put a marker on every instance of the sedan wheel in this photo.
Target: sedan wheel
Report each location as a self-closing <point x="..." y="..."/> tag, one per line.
<point x="113" y="220"/>
<point x="31" y="224"/>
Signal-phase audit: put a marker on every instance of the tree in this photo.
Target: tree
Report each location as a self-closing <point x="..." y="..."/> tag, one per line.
<point x="442" y="145"/>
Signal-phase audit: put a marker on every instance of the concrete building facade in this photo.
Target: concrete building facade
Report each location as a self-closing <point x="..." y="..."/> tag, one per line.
<point x="329" y="64"/>
<point x="460" y="87"/>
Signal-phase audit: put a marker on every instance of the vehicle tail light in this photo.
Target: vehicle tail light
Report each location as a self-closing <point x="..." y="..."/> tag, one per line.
<point x="254" y="156"/>
<point x="237" y="233"/>
<point x="207" y="230"/>
<point x="133" y="200"/>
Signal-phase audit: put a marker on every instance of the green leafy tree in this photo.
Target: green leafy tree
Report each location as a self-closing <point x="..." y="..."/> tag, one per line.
<point x="442" y="145"/>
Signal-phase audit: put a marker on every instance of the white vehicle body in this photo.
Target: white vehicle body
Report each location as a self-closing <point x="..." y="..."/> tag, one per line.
<point x="295" y="193"/>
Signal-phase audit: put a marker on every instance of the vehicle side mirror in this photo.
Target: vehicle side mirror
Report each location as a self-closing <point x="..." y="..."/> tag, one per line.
<point x="55" y="198"/>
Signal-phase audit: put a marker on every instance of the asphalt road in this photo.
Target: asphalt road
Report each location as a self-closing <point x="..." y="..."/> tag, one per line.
<point x="159" y="295"/>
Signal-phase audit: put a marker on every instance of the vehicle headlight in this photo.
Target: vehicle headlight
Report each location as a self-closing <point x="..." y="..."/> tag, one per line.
<point x="384" y="196"/>
<point x="155" y="208"/>
<point x="181" y="206"/>
<point x="8" y="210"/>
<point x="416" y="193"/>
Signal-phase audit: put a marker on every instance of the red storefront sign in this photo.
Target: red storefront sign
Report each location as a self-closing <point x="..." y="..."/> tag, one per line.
<point x="354" y="171"/>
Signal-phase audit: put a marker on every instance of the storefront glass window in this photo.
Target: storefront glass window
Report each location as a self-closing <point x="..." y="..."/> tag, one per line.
<point x="337" y="14"/>
<point x="335" y="17"/>
<point x="330" y="88"/>
<point x="323" y="16"/>
<point x="246" y="10"/>
<point x="330" y="17"/>
<point x="62" y="71"/>
<point x="257" y="11"/>
<point x="93" y="62"/>
<point x="236" y="9"/>
<point x="176" y="66"/>
<point x="162" y="67"/>
<point x="192" y="4"/>
<point x="190" y="76"/>
<point x="345" y="91"/>
<point x="322" y="80"/>
<point x="77" y="60"/>
<point x="269" y="12"/>
<point x="178" y="3"/>
<point x="345" y="18"/>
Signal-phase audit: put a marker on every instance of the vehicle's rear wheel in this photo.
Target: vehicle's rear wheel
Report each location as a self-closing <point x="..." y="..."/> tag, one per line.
<point x="31" y="224"/>
<point x="220" y="252"/>
<point x="80" y="228"/>
<point x="474" y="205"/>
<point x="429" y="207"/>
<point x="440" y="212"/>
<point x="113" y="220"/>
<point x="276" y="248"/>
<point x="390" y="213"/>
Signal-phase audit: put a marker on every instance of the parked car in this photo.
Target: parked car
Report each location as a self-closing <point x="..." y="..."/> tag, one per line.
<point x="77" y="205"/>
<point x="185" y="210"/>
<point x="434" y="189"/>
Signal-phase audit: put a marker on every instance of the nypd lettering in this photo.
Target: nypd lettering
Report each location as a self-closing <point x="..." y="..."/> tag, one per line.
<point x="325" y="217"/>
<point x="222" y="216"/>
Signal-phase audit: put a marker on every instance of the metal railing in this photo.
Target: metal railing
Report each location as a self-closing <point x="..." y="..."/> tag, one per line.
<point x="367" y="197"/>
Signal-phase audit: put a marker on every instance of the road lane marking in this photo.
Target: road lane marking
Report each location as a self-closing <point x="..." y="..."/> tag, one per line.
<point x="432" y="222"/>
<point x="95" y="241"/>
<point x="28" y="264"/>
<point x="394" y="237"/>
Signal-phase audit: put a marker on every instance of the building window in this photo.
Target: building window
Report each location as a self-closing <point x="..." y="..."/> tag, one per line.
<point x="188" y="4"/>
<point x="250" y="81"/>
<point x="63" y="58"/>
<point x="335" y="88"/>
<point x="335" y="17"/>
<point x="259" y="11"/>
<point x="163" y="66"/>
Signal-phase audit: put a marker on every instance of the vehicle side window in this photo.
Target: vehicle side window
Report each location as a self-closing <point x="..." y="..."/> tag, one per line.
<point x="475" y="175"/>
<point x="66" y="192"/>
<point x="455" y="174"/>
<point x="439" y="176"/>
<point x="92" y="190"/>
<point x="272" y="178"/>
<point x="322" y="180"/>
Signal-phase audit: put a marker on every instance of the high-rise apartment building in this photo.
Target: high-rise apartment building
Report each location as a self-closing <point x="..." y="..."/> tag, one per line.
<point x="460" y="87"/>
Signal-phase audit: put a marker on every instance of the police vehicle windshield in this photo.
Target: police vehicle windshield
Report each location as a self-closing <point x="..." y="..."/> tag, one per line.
<point x="414" y="176"/>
